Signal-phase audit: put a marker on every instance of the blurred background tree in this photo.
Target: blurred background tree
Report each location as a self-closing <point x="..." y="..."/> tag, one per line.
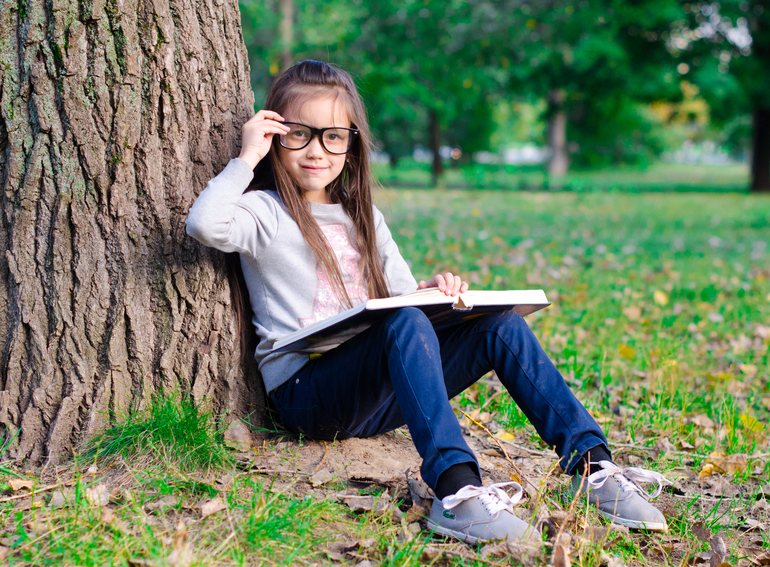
<point x="599" y="82"/>
<point x="725" y="48"/>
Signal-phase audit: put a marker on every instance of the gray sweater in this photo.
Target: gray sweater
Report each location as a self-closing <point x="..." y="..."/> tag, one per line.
<point x="287" y="289"/>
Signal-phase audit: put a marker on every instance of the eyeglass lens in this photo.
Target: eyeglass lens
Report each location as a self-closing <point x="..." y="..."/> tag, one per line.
<point x="335" y="140"/>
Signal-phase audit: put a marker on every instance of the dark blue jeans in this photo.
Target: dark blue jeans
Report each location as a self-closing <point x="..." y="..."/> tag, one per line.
<point x="400" y="371"/>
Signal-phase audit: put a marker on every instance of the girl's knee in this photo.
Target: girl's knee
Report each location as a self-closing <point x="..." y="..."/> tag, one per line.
<point x="409" y="317"/>
<point x="509" y="325"/>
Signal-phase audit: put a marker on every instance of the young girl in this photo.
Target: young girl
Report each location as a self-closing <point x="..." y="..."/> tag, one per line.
<point x="311" y="244"/>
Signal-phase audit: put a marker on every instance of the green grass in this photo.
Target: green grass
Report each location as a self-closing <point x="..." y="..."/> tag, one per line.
<point x="172" y="428"/>
<point x="666" y="177"/>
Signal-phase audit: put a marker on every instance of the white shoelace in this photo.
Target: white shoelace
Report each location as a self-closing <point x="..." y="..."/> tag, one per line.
<point x="494" y="498"/>
<point x="628" y="477"/>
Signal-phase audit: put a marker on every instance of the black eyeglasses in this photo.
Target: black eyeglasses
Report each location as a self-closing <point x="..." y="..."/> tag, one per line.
<point x="334" y="140"/>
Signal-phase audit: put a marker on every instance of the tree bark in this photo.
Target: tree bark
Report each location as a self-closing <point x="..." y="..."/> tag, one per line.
<point x="557" y="133"/>
<point x="287" y="33"/>
<point x="760" y="150"/>
<point x="437" y="167"/>
<point x="113" y="116"/>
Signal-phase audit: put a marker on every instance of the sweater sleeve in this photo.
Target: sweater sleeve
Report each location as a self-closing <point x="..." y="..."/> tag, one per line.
<point x="222" y="217"/>
<point x="397" y="272"/>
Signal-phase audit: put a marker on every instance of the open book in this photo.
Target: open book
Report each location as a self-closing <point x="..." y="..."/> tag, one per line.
<point x="442" y="310"/>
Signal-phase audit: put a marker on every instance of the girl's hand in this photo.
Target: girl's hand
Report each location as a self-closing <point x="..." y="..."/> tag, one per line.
<point x="448" y="283"/>
<point x="257" y="135"/>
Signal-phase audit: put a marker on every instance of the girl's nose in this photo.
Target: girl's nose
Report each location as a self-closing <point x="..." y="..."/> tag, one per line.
<point x="314" y="148"/>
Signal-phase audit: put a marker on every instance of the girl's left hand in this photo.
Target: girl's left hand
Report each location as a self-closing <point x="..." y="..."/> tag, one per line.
<point x="447" y="282"/>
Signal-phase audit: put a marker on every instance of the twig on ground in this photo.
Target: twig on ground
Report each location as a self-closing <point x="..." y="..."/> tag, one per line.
<point x="275" y="471"/>
<point x="326" y="452"/>
<point x="497" y="441"/>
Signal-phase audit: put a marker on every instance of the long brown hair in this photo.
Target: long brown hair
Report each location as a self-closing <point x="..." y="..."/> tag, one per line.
<point x="352" y="189"/>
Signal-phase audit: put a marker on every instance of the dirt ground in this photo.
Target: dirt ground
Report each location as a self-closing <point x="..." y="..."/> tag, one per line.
<point x="711" y="519"/>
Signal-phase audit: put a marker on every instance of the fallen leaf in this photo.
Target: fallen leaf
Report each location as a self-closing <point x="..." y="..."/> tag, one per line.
<point x="595" y="534"/>
<point x="701" y="532"/>
<point x="703" y="421"/>
<point x="749" y="369"/>
<point x="760" y="560"/>
<point x="730" y="464"/>
<point x="168" y="501"/>
<point x="633" y="313"/>
<point x="496" y="550"/>
<point x="181" y="554"/>
<point x="18" y="484"/>
<point x="708" y="470"/>
<point x="415" y="514"/>
<point x="37" y="526"/>
<point x="611" y="560"/>
<point x="506" y="436"/>
<point x="98" y="495"/>
<point x="720" y="551"/>
<point x="718" y="485"/>
<point x="238" y="437"/>
<point x="525" y="553"/>
<point x="321" y="477"/>
<point x="663" y="447"/>
<point x="60" y="498"/>
<point x="751" y="424"/>
<point x="420" y="493"/>
<point x="660" y="297"/>
<point x="430" y="553"/>
<point x="225" y="481"/>
<point x="357" y="502"/>
<point x="627" y="352"/>
<point x="212" y="507"/>
<point x="4" y="553"/>
<point x="383" y="502"/>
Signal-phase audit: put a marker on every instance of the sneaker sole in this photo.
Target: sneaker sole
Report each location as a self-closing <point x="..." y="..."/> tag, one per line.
<point x="462" y="536"/>
<point x="467" y="538"/>
<point x="634" y="524"/>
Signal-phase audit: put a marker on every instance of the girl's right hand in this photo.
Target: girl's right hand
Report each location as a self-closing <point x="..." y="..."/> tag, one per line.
<point x="257" y="135"/>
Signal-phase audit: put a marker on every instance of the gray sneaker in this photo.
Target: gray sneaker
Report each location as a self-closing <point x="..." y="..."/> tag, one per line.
<point x="617" y="495"/>
<point x="481" y="513"/>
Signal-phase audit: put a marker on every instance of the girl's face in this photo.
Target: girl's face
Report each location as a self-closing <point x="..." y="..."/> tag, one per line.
<point x="312" y="167"/>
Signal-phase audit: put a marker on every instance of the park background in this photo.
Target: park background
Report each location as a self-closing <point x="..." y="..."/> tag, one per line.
<point x="575" y="85"/>
<point x="615" y="154"/>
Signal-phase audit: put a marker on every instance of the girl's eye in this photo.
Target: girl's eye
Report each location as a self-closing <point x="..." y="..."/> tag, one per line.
<point x="298" y="134"/>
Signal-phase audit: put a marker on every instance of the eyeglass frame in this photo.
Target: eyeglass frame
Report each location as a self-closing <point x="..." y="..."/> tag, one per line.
<point x="320" y="133"/>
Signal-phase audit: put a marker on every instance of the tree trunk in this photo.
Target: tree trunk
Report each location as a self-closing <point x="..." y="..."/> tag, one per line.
<point x="760" y="160"/>
<point x="435" y="145"/>
<point x="557" y="133"/>
<point x="113" y="115"/>
<point x="287" y="33"/>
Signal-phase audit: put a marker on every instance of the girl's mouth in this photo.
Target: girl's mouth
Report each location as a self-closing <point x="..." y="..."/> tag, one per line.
<point x="312" y="169"/>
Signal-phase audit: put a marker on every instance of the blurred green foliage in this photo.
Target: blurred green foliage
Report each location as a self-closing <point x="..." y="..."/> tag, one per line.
<point x="471" y="63"/>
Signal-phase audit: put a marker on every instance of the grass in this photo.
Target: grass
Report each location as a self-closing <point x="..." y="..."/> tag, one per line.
<point x="172" y="428"/>
<point x="658" y="176"/>
<point x="660" y="324"/>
